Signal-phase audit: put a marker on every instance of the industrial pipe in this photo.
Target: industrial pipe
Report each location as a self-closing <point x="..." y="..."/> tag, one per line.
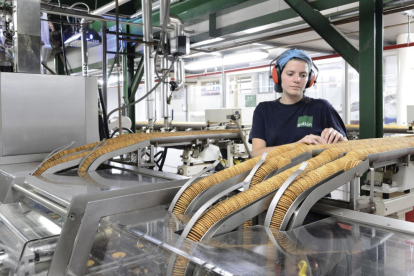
<point x="104" y="66"/>
<point x="51" y="9"/>
<point x="148" y="68"/>
<point x="108" y="7"/>
<point x="179" y="69"/>
<point x="164" y="21"/>
<point x="165" y="64"/>
<point x="84" y="48"/>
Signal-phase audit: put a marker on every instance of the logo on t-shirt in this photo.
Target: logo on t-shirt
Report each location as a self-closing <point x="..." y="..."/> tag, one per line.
<point x="305" y="121"/>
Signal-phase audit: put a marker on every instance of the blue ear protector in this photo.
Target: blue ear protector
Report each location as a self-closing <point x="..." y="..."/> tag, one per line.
<point x="276" y="75"/>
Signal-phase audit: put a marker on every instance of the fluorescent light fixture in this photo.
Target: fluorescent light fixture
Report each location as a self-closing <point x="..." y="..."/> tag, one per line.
<point x="237" y="58"/>
<point x="208" y="41"/>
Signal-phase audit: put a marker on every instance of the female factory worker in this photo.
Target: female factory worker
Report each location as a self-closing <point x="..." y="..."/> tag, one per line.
<point x="294" y="117"/>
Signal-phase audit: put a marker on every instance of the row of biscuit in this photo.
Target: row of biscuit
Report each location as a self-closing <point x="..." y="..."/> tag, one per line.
<point x="304" y="182"/>
<point x="232" y="204"/>
<point x="112" y="145"/>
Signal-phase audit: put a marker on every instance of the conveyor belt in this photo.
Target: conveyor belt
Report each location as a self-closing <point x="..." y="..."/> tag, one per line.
<point x="314" y="173"/>
<point x="117" y="146"/>
<point x="321" y="168"/>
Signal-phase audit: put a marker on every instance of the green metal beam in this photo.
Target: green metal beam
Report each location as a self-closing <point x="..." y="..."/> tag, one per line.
<point x="329" y="33"/>
<point x="136" y="80"/>
<point x="268" y="19"/>
<point x="367" y="72"/>
<point x="212" y="25"/>
<point x="379" y="41"/>
<point x="192" y="9"/>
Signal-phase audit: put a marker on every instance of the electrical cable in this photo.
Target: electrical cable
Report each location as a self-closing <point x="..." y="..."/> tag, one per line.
<point x="143" y="97"/>
<point x="48" y="68"/>
<point x="123" y="128"/>
<point x="164" y="155"/>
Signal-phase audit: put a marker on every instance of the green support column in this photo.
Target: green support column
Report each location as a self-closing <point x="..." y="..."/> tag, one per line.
<point x="367" y="70"/>
<point x="136" y="80"/>
<point x="379" y="40"/>
<point x="59" y="66"/>
<point x="322" y="26"/>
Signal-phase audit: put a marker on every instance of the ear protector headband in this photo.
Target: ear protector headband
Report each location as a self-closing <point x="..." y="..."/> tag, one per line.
<point x="276" y="75"/>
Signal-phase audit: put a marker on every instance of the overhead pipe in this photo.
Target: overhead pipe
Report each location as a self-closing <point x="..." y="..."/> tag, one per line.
<point x="179" y="69"/>
<point x="148" y="67"/>
<point x="52" y="9"/>
<point x="165" y="64"/>
<point x="108" y="7"/>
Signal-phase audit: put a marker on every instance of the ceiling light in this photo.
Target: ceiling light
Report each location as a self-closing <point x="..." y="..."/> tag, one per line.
<point x="208" y="41"/>
<point x="243" y="57"/>
<point x="92" y="39"/>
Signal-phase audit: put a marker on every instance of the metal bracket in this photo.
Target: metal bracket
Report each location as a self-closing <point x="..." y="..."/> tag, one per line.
<point x="249" y="178"/>
<point x="101" y="144"/>
<point x="95" y="164"/>
<point x="189" y="183"/>
<point x="281" y="191"/>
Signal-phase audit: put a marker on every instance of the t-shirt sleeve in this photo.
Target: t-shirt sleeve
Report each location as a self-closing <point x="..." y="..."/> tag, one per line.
<point x="334" y="120"/>
<point x="258" y="125"/>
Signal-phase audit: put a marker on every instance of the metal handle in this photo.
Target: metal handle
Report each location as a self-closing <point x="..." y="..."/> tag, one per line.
<point x="48" y="204"/>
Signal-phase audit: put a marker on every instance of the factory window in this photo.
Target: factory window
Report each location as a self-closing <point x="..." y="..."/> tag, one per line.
<point x="206" y="94"/>
<point x="390" y="82"/>
<point x="330" y="83"/>
<point x="249" y="89"/>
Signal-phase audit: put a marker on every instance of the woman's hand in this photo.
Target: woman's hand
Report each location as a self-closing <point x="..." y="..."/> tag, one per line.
<point x="312" y="140"/>
<point x="332" y="136"/>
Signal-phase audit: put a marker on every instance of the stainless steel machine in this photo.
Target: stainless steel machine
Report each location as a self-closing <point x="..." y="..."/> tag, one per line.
<point x="117" y="220"/>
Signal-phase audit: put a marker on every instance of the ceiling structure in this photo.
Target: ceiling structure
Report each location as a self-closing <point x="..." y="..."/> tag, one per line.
<point x="225" y="27"/>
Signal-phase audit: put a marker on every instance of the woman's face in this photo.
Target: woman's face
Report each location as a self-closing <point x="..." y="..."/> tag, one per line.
<point x="294" y="77"/>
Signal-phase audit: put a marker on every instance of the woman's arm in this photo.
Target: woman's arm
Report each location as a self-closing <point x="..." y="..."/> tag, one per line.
<point x="259" y="147"/>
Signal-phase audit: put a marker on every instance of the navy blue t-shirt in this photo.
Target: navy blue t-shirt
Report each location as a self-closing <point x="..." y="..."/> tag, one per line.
<point x="278" y="124"/>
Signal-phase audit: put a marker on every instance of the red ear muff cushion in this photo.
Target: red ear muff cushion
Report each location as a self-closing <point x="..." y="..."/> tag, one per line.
<point x="311" y="81"/>
<point x="312" y="78"/>
<point x="275" y="75"/>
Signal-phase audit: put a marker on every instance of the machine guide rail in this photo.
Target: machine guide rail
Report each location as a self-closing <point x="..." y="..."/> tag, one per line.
<point x="209" y="203"/>
<point x="189" y="183"/>
<point x="280" y="192"/>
